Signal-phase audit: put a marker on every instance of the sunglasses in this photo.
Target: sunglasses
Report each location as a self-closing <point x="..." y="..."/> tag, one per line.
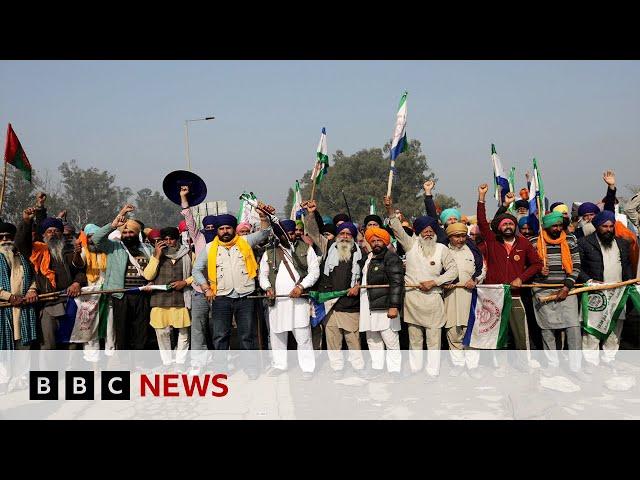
<point x="6" y="236"/>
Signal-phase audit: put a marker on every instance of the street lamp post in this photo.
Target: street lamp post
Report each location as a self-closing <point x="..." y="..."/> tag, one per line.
<point x="186" y="137"/>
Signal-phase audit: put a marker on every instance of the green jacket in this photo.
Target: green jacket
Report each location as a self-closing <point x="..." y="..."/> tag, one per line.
<point x="117" y="259"/>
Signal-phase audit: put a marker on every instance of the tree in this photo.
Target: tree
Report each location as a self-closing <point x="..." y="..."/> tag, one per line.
<point x="19" y="194"/>
<point x="364" y="175"/>
<point x="155" y="210"/>
<point x="445" y="201"/>
<point x="89" y="195"/>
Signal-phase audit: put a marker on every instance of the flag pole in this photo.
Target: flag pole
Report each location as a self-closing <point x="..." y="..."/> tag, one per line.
<point x="313" y="190"/>
<point x="4" y="184"/>
<point x="539" y="201"/>
<point x="393" y="166"/>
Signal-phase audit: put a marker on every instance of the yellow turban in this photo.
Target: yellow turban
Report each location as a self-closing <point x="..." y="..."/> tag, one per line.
<point x="377" y="232"/>
<point x="562" y="208"/>
<point x="456" y="228"/>
<point x="130" y="225"/>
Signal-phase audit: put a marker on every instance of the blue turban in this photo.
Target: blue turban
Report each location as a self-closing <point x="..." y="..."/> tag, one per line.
<point x="349" y="226"/>
<point x="90" y="229"/>
<point x="524" y="221"/>
<point x="51" y="222"/>
<point x="605" y="216"/>
<point x="209" y="235"/>
<point x="423" y="222"/>
<point x="288" y="225"/>
<point x="448" y="213"/>
<point x="226" y="219"/>
<point x="588" y="207"/>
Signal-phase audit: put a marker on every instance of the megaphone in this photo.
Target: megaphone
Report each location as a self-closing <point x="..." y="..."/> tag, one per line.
<point x="179" y="178"/>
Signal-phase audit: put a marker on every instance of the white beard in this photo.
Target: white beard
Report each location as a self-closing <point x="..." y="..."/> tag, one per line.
<point x="344" y="250"/>
<point x="7" y="249"/>
<point x="427" y="245"/>
<point x="56" y="246"/>
<point x="587" y="227"/>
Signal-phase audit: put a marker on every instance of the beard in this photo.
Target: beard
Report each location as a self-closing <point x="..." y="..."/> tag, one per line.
<point x="171" y="250"/>
<point x="344" y="249"/>
<point x="131" y="242"/>
<point x="553" y="234"/>
<point x="56" y="248"/>
<point x="508" y="233"/>
<point x="606" y="238"/>
<point x="92" y="248"/>
<point x="427" y="245"/>
<point x="587" y="227"/>
<point x="378" y="250"/>
<point x="7" y="249"/>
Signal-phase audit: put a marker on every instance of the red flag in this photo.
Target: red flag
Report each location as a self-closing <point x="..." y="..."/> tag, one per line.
<point x="14" y="154"/>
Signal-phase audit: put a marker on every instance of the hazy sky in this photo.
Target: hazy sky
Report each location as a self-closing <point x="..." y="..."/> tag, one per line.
<point x="576" y="117"/>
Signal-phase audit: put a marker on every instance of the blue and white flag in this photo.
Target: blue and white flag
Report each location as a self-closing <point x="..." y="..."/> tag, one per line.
<point x="536" y="192"/>
<point x="501" y="182"/>
<point x="399" y="143"/>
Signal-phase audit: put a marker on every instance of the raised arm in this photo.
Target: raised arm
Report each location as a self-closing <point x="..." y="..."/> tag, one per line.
<point x="311" y="226"/>
<point x="24" y="237"/>
<point x="194" y="233"/>
<point x="394" y="222"/>
<point x="609" y="178"/>
<point x="481" y="214"/>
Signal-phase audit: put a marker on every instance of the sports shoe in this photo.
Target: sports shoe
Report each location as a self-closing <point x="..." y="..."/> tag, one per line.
<point x="252" y="374"/>
<point x="307" y="376"/>
<point x="274" y="372"/>
<point x="338" y="374"/>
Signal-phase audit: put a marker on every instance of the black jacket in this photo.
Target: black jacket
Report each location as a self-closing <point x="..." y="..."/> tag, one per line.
<point x="385" y="268"/>
<point x="592" y="265"/>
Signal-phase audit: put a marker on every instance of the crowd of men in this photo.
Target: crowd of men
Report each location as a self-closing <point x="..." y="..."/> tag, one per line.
<point x="187" y="287"/>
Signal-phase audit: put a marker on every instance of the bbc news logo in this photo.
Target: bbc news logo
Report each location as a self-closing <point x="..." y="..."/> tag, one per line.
<point x="116" y="385"/>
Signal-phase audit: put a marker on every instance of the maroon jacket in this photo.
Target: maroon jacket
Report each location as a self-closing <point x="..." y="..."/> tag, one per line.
<point x="523" y="262"/>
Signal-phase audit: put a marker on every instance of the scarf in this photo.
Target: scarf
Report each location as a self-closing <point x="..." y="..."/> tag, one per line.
<point x="96" y="261"/>
<point x="41" y="260"/>
<point x="333" y="261"/>
<point x="245" y="250"/>
<point x="27" y="312"/>
<point x="565" y="252"/>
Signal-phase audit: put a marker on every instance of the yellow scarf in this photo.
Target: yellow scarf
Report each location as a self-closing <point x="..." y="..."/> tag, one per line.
<point x="245" y="250"/>
<point x="565" y="251"/>
<point x="96" y="262"/>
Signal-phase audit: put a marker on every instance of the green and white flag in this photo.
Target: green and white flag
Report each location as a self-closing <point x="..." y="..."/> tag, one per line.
<point x="321" y="166"/>
<point x="372" y="207"/>
<point x="488" y="317"/>
<point x="296" y="208"/>
<point x="512" y="185"/>
<point x="601" y="309"/>
<point x="248" y="214"/>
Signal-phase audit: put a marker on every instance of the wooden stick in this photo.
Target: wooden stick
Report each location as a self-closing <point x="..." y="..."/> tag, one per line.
<point x="393" y="165"/>
<point x="592" y="288"/>
<point x="4" y="184"/>
<point x="313" y="191"/>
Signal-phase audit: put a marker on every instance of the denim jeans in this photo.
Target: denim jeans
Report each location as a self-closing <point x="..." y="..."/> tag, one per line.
<point x="201" y="326"/>
<point x="223" y="311"/>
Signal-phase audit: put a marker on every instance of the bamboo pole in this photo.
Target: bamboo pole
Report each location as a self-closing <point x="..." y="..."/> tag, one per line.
<point x="592" y="288"/>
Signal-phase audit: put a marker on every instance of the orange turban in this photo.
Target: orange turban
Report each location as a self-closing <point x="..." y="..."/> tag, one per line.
<point x="377" y="232"/>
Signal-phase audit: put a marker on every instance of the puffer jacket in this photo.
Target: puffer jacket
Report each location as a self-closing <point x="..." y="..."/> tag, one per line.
<point x="385" y="268"/>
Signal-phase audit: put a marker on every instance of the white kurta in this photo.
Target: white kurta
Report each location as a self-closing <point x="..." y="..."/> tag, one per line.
<point x="457" y="301"/>
<point x="289" y="313"/>
<point x="377" y="320"/>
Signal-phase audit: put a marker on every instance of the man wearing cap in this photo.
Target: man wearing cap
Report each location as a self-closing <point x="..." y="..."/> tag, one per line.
<point x="289" y="268"/>
<point x="126" y="260"/>
<point x="380" y="307"/>
<point x="457" y="302"/>
<point x="340" y="269"/>
<point x="226" y="271"/>
<point x="17" y="287"/>
<point x="511" y="260"/>
<point x="559" y="251"/>
<point x="429" y="264"/>
<point x="54" y="269"/>
<point x="604" y="258"/>
<point x="170" y="265"/>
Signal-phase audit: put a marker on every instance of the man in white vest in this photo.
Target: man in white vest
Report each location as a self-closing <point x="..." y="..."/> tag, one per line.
<point x="289" y="268"/>
<point x="457" y="302"/>
<point x="430" y="265"/>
